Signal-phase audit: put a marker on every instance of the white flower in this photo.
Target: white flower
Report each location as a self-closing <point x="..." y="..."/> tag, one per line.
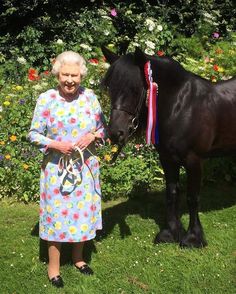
<point x="21" y="60"/>
<point x="149" y="51"/>
<point x="91" y="82"/>
<point x="106" y="32"/>
<point x="159" y="28"/>
<point x="150" y="23"/>
<point x="86" y="47"/>
<point x="150" y="44"/>
<point x="59" y="41"/>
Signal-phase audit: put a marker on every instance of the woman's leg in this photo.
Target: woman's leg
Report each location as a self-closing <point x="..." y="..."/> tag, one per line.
<point x="54" y="252"/>
<point x="77" y="254"/>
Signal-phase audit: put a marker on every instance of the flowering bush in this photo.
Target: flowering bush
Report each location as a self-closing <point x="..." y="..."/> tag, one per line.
<point x="21" y="81"/>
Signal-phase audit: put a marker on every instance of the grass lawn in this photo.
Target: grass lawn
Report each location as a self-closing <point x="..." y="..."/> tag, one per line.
<point x="123" y="256"/>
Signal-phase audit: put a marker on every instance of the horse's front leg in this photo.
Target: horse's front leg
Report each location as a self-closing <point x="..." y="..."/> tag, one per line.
<point x="195" y="235"/>
<point x="174" y="230"/>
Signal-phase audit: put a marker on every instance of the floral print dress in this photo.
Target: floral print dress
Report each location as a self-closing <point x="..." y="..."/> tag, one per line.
<point x="70" y="197"/>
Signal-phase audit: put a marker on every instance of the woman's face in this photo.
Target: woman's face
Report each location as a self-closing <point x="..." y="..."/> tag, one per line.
<point x="69" y="79"/>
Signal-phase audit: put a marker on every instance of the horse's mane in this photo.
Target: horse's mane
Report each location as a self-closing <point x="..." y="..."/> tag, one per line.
<point x="121" y="74"/>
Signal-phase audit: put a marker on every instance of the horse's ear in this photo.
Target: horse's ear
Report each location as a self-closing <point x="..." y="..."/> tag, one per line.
<point x="109" y="55"/>
<point x="140" y="57"/>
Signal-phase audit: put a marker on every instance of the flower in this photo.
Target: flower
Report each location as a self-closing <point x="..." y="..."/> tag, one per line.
<point x="13" y="138"/>
<point x="25" y="166"/>
<point x="2" y="143"/>
<point x="216" y="67"/>
<point x="160" y="53"/>
<point x="93" y="61"/>
<point x="150" y="44"/>
<point x="32" y="74"/>
<point x="107" y="157"/>
<point x="159" y="28"/>
<point x="18" y="88"/>
<point x="6" y="103"/>
<point x="114" y="149"/>
<point x="21" y="60"/>
<point x="21" y="101"/>
<point x="8" y="156"/>
<point x="215" y="35"/>
<point x="113" y="12"/>
<point x="59" y="42"/>
<point x="86" y="47"/>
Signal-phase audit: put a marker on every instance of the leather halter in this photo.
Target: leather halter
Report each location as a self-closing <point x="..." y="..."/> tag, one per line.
<point x="134" y="122"/>
<point x="136" y="113"/>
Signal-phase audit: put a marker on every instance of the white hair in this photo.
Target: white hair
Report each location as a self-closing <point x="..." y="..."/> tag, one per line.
<point x="69" y="57"/>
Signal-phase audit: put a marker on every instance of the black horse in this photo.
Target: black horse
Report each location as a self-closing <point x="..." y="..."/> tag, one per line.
<point x="196" y="120"/>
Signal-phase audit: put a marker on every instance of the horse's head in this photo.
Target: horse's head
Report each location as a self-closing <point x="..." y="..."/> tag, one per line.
<point x="125" y="82"/>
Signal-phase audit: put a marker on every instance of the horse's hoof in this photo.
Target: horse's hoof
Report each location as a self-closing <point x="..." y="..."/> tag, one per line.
<point x="193" y="241"/>
<point x="164" y="236"/>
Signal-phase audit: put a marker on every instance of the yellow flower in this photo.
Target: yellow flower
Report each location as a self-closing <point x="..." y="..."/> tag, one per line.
<point x="8" y="156"/>
<point x="88" y="197"/>
<point x="60" y="112"/>
<point x="53" y="180"/>
<point x="93" y="219"/>
<point x="18" y="88"/>
<point x="2" y="143"/>
<point x="107" y="157"/>
<point x="72" y="230"/>
<point x="74" y="133"/>
<point x="69" y="205"/>
<point x="25" y="166"/>
<point x="6" y="103"/>
<point x="72" y="109"/>
<point x="57" y="202"/>
<point x="111" y="46"/>
<point x="80" y="205"/>
<point x="84" y="227"/>
<point x="83" y="125"/>
<point x="114" y="149"/>
<point x="13" y="138"/>
<point x="220" y="69"/>
<point x="50" y="231"/>
<point x="58" y="225"/>
<point x="49" y="208"/>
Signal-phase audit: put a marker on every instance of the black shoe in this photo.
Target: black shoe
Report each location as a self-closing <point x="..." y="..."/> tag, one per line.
<point x="57" y="282"/>
<point x="85" y="269"/>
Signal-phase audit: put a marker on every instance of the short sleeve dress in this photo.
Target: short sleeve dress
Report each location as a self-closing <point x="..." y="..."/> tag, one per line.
<point x="70" y="193"/>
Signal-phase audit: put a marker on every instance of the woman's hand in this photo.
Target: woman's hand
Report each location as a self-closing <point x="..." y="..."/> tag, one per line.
<point x="65" y="147"/>
<point x="85" y="140"/>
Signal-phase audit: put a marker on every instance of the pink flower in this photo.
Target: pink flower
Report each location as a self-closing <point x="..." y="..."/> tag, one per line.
<point x="215" y="35"/>
<point x="113" y="12"/>
<point x="56" y="191"/>
<point x="75" y="216"/>
<point x="72" y="120"/>
<point x="64" y="212"/>
<point x="46" y="113"/>
<point x="49" y="220"/>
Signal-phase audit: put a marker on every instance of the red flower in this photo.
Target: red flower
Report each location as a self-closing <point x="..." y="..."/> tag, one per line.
<point x="56" y="191"/>
<point x="93" y="61"/>
<point x="49" y="220"/>
<point x="40" y="211"/>
<point x="160" y="53"/>
<point x="49" y="196"/>
<point x="72" y="120"/>
<point x="215" y="67"/>
<point x="43" y="196"/>
<point x="64" y="212"/>
<point x="33" y="74"/>
<point x="62" y="236"/>
<point x="93" y="207"/>
<point x="84" y="238"/>
<point x="85" y="214"/>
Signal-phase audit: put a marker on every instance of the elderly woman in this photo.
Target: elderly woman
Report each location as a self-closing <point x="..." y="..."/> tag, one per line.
<point x="66" y="123"/>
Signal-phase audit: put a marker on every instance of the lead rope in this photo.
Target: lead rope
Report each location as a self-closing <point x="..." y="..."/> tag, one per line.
<point x="66" y="166"/>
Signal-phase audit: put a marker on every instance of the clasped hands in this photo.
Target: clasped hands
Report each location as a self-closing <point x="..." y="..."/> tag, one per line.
<point x="67" y="147"/>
